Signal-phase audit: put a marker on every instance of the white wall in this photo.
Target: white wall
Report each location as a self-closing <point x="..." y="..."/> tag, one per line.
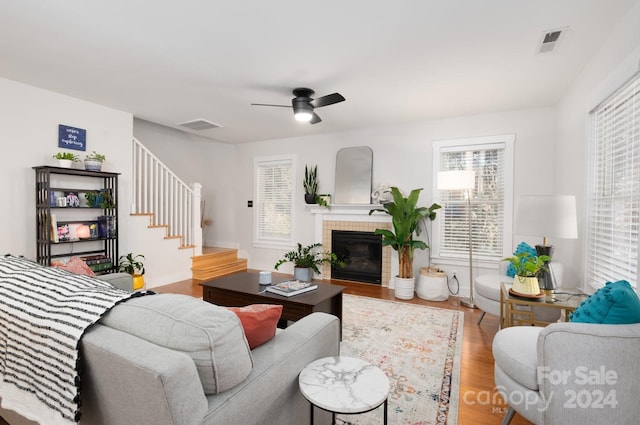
<point x="610" y="67"/>
<point x="197" y="159"/>
<point x="29" y="119"/>
<point x="402" y="157"/>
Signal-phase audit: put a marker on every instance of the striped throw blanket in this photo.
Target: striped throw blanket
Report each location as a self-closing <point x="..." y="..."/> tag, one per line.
<point x="43" y="314"/>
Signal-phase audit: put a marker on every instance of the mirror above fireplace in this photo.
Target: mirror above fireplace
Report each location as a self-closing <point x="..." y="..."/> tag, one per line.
<point x="353" y="175"/>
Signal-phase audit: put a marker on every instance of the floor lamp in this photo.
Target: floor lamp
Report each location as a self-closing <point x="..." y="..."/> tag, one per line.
<point x="545" y="216"/>
<point x="462" y="180"/>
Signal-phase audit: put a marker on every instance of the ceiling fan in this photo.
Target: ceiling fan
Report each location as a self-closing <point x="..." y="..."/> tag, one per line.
<point x="303" y="104"/>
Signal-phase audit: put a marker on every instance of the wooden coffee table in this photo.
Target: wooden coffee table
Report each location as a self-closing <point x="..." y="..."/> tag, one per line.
<point x="241" y="289"/>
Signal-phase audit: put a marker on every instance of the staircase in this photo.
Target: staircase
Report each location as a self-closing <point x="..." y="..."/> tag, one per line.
<point x="216" y="262"/>
<point x="175" y="207"/>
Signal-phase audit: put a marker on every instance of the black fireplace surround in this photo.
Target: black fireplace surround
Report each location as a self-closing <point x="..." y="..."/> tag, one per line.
<point x="361" y="253"/>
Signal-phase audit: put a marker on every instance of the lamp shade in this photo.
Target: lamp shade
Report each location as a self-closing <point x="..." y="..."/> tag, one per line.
<point x="547" y="216"/>
<point x="456" y="180"/>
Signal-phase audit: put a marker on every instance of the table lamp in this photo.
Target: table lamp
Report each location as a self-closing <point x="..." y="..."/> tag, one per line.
<point x="547" y="216"/>
<point x="462" y="180"/>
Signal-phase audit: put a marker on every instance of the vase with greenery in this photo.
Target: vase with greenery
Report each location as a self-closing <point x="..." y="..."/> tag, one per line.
<point x="66" y="159"/>
<point x="307" y="259"/>
<point x="310" y="184"/>
<point x="406" y="220"/>
<point x="133" y="265"/>
<point x="527" y="267"/>
<point x="93" y="161"/>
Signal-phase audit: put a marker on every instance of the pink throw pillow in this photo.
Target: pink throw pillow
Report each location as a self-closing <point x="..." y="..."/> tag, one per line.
<point x="74" y="265"/>
<point x="259" y="322"/>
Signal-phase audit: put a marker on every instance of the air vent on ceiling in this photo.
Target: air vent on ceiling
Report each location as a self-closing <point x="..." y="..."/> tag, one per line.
<point x="199" y="124"/>
<point x="551" y="39"/>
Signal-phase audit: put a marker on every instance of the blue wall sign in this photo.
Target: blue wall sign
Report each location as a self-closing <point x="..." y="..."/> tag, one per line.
<point x="72" y="138"/>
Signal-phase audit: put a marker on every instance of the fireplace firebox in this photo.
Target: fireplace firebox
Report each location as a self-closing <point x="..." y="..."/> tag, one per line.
<point x="361" y="253"/>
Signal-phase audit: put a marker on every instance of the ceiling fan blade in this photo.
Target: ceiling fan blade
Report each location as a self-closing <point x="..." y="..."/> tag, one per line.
<point x="329" y="99"/>
<point x="315" y="119"/>
<point x="268" y="104"/>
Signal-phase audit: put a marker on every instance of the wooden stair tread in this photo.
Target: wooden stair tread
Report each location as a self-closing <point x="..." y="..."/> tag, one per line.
<point x="215" y="262"/>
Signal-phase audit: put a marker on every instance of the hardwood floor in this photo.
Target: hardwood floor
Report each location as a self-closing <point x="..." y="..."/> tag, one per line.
<point x="479" y="403"/>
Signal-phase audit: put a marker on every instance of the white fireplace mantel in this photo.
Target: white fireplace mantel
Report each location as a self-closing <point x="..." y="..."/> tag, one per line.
<point x="345" y="212"/>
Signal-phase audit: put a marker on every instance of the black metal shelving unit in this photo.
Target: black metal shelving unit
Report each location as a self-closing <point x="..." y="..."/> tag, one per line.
<point x="50" y="181"/>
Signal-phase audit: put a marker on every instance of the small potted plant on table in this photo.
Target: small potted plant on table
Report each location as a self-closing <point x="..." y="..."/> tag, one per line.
<point x="527" y="267"/>
<point x="93" y="161"/>
<point x="133" y="265"/>
<point x="66" y="159"/>
<point x="307" y="259"/>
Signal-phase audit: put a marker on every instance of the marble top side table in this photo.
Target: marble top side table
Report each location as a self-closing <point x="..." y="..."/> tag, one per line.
<point x="344" y="385"/>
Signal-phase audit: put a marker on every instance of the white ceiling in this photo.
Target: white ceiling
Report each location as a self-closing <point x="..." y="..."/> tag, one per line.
<point x="394" y="61"/>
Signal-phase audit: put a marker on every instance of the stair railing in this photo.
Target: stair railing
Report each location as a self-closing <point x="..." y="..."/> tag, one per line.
<point x="169" y="200"/>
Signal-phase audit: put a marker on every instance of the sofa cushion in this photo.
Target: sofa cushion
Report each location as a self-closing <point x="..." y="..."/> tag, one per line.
<point x="614" y="303"/>
<point x="212" y="336"/>
<point x="259" y="322"/>
<point x="522" y="247"/>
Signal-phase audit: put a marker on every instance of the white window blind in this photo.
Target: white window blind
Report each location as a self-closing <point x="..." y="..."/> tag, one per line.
<point x="274" y="200"/>
<point x="492" y="164"/>
<point x="613" y="212"/>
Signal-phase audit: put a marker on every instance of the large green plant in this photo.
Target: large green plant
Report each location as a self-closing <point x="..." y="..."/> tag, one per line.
<point x="406" y="218"/>
<point x="310" y="256"/>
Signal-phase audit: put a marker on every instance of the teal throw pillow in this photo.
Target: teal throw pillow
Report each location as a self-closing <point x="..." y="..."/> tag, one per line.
<point x="521" y="248"/>
<point x="616" y="303"/>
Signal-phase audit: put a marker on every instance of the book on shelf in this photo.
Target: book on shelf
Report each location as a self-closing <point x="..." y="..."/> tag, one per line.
<point x="98" y="263"/>
<point x="291" y="288"/>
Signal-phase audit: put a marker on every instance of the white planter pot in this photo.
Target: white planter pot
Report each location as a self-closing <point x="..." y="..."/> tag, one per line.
<point x="303" y="274"/>
<point x="526" y="285"/>
<point x="404" y="288"/>
<point x="432" y="285"/>
<point x="65" y="163"/>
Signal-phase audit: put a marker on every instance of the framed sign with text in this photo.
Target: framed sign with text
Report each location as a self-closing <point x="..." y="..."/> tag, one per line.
<point x="72" y="138"/>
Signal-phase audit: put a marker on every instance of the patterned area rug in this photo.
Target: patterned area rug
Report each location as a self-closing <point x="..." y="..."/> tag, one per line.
<point x="417" y="347"/>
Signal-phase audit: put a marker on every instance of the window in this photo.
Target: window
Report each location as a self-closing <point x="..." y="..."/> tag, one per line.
<point x="613" y="210"/>
<point x="274" y="182"/>
<point x="491" y="158"/>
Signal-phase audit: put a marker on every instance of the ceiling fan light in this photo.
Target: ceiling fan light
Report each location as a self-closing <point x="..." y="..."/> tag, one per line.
<point x="303" y="116"/>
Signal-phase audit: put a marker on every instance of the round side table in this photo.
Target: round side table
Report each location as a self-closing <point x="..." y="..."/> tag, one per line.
<point x="344" y="385"/>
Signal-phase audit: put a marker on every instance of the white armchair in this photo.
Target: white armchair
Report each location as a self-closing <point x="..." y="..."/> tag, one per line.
<point x="569" y="373"/>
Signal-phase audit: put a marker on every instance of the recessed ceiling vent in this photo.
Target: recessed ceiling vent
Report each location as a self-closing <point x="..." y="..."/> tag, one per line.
<point x="199" y="124"/>
<point x="551" y="39"/>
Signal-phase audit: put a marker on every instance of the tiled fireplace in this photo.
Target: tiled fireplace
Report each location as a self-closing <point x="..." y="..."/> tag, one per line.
<point x="353" y="218"/>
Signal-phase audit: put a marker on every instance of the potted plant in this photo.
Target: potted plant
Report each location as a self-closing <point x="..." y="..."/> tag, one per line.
<point x="99" y="198"/>
<point x="133" y="265"/>
<point x="65" y="159"/>
<point x="527" y="268"/>
<point x="93" y="161"/>
<point x="310" y="184"/>
<point x="406" y="218"/>
<point x="307" y="259"/>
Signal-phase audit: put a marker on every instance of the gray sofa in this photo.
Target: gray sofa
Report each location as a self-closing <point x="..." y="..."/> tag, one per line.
<point x="130" y="380"/>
